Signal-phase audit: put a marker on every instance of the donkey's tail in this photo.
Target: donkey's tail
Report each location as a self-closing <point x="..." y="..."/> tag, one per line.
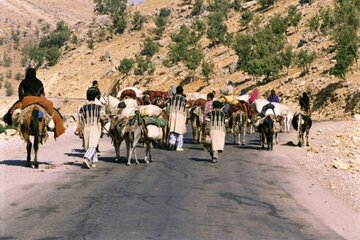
<point x="35" y="123"/>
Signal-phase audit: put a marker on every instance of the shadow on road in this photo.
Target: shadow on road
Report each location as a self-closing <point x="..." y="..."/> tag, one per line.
<point x="201" y="159"/>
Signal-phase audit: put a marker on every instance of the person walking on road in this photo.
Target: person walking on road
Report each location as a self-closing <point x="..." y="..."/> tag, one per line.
<point x="90" y="127"/>
<point x="177" y="119"/>
<point x="215" y="131"/>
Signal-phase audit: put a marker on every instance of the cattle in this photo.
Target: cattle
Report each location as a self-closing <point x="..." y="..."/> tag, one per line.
<point x="266" y="131"/>
<point x="302" y="124"/>
<point x="139" y="93"/>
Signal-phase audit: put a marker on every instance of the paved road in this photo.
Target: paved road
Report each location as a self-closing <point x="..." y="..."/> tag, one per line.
<point x="181" y="195"/>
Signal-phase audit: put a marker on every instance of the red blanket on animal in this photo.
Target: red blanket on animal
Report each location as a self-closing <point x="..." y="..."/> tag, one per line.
<point x="49" y="108"/>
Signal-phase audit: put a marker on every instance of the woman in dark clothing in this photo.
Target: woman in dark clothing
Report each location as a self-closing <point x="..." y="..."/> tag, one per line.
<point x="304" y="103"/>
<point x="31" y="86"/>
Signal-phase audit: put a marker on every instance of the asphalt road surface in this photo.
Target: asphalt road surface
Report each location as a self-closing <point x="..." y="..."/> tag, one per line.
<point x="249" y="194"/>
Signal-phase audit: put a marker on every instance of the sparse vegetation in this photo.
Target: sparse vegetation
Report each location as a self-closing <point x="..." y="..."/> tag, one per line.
<point x="6" y="60"/>
<point x="138" y="21"/>
<point x="18" y="76"/>
<point x="116" y="10"/>
<point x="9" y="89"/>
<point x="266" y="3"/>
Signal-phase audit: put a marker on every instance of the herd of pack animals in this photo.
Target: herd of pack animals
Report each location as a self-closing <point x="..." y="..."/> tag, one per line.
<point x="137" y="116"/>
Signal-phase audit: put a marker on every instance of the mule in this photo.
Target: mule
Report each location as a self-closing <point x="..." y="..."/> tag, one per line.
<point x="302" y="124"/>
<point x="33" y="124"/>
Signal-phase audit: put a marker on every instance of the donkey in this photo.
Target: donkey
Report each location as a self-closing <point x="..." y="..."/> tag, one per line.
<point x="197" y="123"/>
<point x="33" y="120"/>
<point x="239" y="124"/>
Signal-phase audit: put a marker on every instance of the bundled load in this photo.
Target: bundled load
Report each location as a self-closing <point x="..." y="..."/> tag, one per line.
<point x="128" y="112"/>
<point x="154" y="132"/>
<point x="159" y="121"/>
<point x="150" y="110"/>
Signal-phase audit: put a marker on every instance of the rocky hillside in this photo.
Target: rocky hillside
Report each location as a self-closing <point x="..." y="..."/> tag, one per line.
<point x="332" y="98"/>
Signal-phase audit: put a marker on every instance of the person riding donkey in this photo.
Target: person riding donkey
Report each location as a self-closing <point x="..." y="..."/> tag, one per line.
<point x="31" y="91"/>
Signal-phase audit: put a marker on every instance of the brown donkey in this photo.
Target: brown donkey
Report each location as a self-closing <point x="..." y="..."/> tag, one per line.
<point x="33" y="124"/>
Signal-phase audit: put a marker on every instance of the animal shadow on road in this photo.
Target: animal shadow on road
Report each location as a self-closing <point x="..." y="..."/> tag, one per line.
<point x="20" y="163"/>
<point x="200" y="159"/>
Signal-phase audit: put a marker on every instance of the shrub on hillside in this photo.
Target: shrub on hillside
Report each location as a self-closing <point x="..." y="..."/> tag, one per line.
<point x="293" y="18"/>
<point x="207" y="69"/>
<point x="52" y="55"/>
<point x="266" y="3"/>
<point x="246" y="17"/>
<point x="126" y="65"/>
<point x="304" y="59"/>
<point x="138" y="21"/>
<point x="6" y="60"/>
<point x="150" y="47"/>
<point x="18" y="76"/>
<point x="197" y="7"/>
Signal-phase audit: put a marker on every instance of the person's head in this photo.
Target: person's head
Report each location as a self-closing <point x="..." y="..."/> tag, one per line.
<point x="272" y="93"/>
<point x="242" y="92"/>
<point x="217" y="104"/>
<point x="30" y="73"/>
<point x="305" y="94"/>
<point x="95" y="83"/>
<point x="210" y="96"/>
<point x="91" y="94"/>
<point x="179" y="90"/>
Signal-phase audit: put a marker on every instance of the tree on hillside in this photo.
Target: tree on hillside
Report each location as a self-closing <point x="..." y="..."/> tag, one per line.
<point x="293" y="18"/>
<point x="327" y="20"/>
<point x="287" y="58"/>
<point x="216" y="28"/>
<point x="347" y="18"/>
<point x="304" y="59"/>
<point x="259" y="54"/>
<point x="160" y="21"/>
<point x="278" y="24"/>
<point x="207" y="69"/>
<point x="221" y="6"/>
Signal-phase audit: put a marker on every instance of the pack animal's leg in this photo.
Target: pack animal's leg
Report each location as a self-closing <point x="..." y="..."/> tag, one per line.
<point x="134" y="150"/>
<point x="36" y="148"/>
<point x="128" y="151"/>
<point x="117" y="150"/>
<point x="147" y="152"/>
<point x="307" y="137"/>
<point x="244" y="135"/>
<point x="28" y="148"/>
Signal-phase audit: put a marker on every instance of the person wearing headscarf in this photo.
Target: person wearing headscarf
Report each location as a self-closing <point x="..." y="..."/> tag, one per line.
<point x="215" y="131"/>
<point x="31" y="86"/>
<point x="273" y="97"/>
<point x="304" y="103"/>
<point x="90" y="128"/>
<point x="177" y="119"/>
